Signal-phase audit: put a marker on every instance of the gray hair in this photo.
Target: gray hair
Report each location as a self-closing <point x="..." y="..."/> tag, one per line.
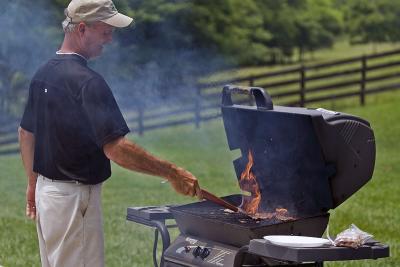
<point x="68" y="26"/>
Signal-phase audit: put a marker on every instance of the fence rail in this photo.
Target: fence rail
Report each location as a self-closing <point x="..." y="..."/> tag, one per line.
<point x="294" y="86"/>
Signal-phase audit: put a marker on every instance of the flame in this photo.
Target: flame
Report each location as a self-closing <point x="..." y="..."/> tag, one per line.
<point x="250" y="204"/>
<point x="249" y="183"/>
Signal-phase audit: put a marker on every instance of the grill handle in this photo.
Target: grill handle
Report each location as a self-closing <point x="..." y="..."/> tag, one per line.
<point x="263" y="99"/>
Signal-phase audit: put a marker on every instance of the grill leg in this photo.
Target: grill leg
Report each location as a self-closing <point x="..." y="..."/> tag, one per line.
<point x="155" y="248"/>
<point x="162" y="228"/>
<point x="240" y="256"/>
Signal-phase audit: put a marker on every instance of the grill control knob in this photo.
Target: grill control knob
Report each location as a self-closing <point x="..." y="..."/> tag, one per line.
<point x="197" y="251"/>
<point x="205" y="253"/>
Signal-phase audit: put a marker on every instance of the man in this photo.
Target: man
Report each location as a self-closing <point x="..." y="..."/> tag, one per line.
<point x="70" y="130"/>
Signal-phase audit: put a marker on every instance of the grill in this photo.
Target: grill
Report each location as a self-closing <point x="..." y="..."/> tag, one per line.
<point x="307" y="161"/>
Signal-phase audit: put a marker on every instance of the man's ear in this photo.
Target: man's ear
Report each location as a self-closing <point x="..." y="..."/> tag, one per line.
<point x="81" y="28"/>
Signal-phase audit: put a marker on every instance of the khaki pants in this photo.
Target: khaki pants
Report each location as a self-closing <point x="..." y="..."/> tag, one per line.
<point x="69" y="224"/>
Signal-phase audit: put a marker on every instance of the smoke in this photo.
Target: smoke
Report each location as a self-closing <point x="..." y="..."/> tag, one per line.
<point x="162" y="74"/>
<point x="28" y="37"/>
<point x="167" y="77"/>
<point x="27" y="40"/>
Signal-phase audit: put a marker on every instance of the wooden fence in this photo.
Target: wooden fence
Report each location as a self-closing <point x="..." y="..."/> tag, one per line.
<point x="294" y="86"/>
<point x="301" y="85"/>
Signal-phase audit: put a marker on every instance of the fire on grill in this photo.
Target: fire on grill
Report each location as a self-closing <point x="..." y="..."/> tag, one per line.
<point x="250" y="204"/>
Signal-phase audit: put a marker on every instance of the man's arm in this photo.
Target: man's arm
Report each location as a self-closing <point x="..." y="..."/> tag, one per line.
<point x="131" y="156"/>
<point x="27" y="146"/>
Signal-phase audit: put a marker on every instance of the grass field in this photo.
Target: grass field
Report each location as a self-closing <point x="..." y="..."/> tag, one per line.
<point x="204" y="151"/>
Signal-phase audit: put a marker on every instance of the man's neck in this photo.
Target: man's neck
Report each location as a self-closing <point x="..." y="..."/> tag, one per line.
<point x="70" y="46"/>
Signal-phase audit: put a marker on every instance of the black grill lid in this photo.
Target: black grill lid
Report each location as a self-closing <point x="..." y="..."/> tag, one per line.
<point x="305" y="160"/>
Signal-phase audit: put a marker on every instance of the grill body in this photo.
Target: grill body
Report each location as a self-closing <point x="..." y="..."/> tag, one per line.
<point x="208" y="220"/>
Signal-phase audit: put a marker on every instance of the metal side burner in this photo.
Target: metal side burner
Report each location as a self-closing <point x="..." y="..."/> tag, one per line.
<point x="371" y="250"/>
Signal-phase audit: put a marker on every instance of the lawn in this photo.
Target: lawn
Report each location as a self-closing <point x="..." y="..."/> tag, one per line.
<point x="205" y="152"/>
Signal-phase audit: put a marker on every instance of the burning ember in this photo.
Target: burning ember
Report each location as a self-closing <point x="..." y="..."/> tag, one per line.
<point x="250" y="204"/>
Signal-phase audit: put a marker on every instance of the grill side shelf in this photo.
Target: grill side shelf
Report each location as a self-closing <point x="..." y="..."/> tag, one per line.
<point x="318" y="254"/>
<point x="151" y="213"/>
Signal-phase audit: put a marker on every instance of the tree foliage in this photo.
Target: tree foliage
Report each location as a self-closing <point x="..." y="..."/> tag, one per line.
<point x="233" y="28"/>
<point x="174" y="41"/>
<point x="372" y="21"/>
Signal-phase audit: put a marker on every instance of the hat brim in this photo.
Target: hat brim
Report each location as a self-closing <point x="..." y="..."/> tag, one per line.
<point x="118" y="20"/>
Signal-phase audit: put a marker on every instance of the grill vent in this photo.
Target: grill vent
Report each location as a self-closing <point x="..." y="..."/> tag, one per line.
<point x="348" y="130"/>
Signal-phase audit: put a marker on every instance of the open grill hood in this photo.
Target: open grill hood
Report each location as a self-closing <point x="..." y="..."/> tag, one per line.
<point x="309" y="160"/>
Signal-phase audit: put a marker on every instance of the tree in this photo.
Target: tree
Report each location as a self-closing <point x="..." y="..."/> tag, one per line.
<point x="372" y="21"/>
<point x="317" y="26"/>
<point x="303" y="24"/>
<point x="233" y="28"/>
<point x="279" y="19"/>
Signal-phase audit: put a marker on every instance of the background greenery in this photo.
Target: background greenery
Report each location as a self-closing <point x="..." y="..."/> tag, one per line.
<point x="205" y="152"/>
<point x="171" y="45"/>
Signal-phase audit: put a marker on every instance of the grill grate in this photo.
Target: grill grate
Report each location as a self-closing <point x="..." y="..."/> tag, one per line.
<point x="211" y="211"/>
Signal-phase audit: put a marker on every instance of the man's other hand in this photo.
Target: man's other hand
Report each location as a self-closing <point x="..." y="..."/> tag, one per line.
<point x="30" y="201"/>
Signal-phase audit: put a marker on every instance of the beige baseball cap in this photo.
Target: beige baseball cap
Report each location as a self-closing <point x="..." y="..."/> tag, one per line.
<point x="96" y="10"/>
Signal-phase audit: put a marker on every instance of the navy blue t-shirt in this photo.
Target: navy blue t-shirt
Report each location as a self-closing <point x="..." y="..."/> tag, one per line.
<point x="72" y="113"/>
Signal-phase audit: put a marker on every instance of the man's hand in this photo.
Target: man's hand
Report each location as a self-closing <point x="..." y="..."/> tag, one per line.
<point x="30" y="201"/>
<point x="27" y="147"/>
<point x="185" y="183"/>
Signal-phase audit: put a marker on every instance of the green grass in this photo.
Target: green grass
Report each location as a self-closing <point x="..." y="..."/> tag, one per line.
<point x="205" y="152"/>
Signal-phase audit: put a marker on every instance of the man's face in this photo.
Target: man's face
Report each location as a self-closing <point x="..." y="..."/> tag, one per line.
<point x="95" y="37"/>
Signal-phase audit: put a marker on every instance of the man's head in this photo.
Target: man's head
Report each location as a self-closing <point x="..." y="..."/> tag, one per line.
<point x="89" y="24"/>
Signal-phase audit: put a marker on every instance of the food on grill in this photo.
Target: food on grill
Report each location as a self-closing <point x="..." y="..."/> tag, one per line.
<point x="228" y="211"/>
<point x="279" y="214"/>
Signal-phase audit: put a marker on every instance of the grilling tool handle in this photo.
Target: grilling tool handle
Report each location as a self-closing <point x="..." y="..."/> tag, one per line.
<point x="263" y="99"/>
<point x="217" y="200"/>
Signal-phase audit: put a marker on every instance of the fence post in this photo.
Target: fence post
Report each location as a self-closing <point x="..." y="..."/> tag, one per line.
<point x="363" y="78"/>
<point x="140" y="119"/>
<point x="197" y="108"/>
<point x="251" y="84"/>
<point x="251" y="81"/>
<point x="302" y="85"/>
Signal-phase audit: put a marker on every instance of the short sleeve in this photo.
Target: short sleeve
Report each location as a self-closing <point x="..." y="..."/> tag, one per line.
<point x="102" y="111"/>
<point x="28" y="118"/>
